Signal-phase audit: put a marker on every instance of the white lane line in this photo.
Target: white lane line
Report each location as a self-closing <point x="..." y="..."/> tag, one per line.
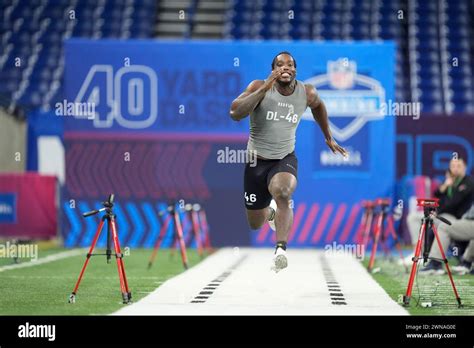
<point x="43" y="260"/>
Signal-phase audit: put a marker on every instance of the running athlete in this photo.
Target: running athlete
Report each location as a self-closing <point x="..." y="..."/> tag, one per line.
<point x="275" y="106"/>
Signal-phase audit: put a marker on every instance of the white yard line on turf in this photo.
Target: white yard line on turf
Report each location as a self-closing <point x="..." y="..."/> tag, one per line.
<point x="50" y="258"/>
<point x="230" y="283"/>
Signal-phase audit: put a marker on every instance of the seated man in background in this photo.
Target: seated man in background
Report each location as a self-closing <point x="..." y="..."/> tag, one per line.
<point x="455" y="196"/>
<point x="455" y="193"/>
<point x="463" y="230"/>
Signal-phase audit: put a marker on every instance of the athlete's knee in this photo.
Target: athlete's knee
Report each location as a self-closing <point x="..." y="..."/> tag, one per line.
<point x="256" y="219"/>
<point x="282" y="193"/>
<point x="255" y="224"/>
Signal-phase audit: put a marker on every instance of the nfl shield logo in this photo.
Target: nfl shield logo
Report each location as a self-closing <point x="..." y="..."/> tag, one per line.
<point x="351" y="99"/>
<point x="341" y="73"/>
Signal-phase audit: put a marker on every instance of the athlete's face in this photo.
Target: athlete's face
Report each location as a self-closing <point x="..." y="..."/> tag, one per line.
<point x="287" y="65"/>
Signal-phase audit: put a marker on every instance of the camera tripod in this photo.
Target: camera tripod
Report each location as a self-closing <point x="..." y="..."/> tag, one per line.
<point x="381" y="233"/>
<point x="111" y="227"/>
<point x="429" y="211"/>
<point x="199" y="230"/>
<point x="173" y="216"/>
<point x="365" y="226"/>
<point x="193" y="211"/>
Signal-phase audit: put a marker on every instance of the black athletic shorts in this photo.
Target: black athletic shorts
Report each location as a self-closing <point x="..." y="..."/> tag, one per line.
<point x="257" y="179"/>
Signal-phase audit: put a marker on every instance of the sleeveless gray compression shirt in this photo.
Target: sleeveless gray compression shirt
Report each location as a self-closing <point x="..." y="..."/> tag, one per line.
<point x="273" y="123"/>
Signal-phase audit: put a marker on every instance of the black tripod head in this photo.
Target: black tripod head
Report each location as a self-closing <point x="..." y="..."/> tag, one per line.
<point x="110" y="201"/>
<point x="430" y="208"/>
<point x="108" y="206"/>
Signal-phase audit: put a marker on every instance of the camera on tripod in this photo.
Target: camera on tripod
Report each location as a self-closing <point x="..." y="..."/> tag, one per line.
<point x="422" y="249"/>
<point x="430" y="206"/>
<point x="108" y="205"/>
<point x="108" y="219"/>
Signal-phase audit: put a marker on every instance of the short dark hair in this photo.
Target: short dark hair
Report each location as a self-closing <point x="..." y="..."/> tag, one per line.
<point x="460" y="159"/>
<point x="284" y="52"/>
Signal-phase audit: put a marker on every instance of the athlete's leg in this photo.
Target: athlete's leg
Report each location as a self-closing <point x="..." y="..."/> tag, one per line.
<point x="281" y="187"/>
<point x="256" y="218"/>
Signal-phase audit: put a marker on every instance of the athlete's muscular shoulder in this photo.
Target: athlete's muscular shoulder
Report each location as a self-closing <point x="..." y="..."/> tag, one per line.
<point x="254" y="85"/>
<point x="312" y="96"/>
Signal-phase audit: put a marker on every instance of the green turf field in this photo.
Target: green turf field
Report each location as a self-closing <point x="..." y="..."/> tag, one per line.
<point x="44" y="289"/>
<point x="434" y="289"/>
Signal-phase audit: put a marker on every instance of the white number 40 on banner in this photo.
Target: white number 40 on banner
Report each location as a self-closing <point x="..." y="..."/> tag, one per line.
<point x="130" y="96"/>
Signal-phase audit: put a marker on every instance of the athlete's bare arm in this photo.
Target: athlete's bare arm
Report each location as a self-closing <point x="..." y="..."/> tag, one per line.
<point x="320" y="114"/>
<point x="245" y="103"/>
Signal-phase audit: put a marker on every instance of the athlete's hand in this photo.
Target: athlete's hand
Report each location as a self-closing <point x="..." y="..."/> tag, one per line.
<point x="276" y="73"/>
<point x="335" y="147"/>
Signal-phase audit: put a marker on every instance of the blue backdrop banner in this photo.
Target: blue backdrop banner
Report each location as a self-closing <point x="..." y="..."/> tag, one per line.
<point x="166" y="103"/>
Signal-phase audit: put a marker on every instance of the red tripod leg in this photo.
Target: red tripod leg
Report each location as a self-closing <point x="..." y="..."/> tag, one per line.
<point x="384" y="239"/>
<point x="188" y="220"/>
<point x="189" y="240"/>
<point x="406" y="298"/>
<point x="174" y="242"/>
<point x="360" y="232"/>
<point x="207" y="239"/>
<point x="368" y="228"/>
<point x="179" y="231"/>
<point x="378" y="229"/>
<point x="163" y="230"/>
<point x="195" y="222"/>
<point x="126" y="295"/>
<point x="72" y="297"/>
<point x="447" y="266"/>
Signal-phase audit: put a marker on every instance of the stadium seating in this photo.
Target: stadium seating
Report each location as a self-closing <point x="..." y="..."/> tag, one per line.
<point x="32" y="34"/>
<point x="434" y="57"/>
<point x="429" y="35"/>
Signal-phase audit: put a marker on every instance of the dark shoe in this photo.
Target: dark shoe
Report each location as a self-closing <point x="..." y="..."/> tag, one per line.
<point x="433" y="268"/>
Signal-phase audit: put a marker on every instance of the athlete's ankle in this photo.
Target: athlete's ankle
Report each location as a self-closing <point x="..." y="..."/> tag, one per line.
<point x="281" y="244"/>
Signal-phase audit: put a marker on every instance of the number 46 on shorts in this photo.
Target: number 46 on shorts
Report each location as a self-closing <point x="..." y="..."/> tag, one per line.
<point x="250" y="198"/>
